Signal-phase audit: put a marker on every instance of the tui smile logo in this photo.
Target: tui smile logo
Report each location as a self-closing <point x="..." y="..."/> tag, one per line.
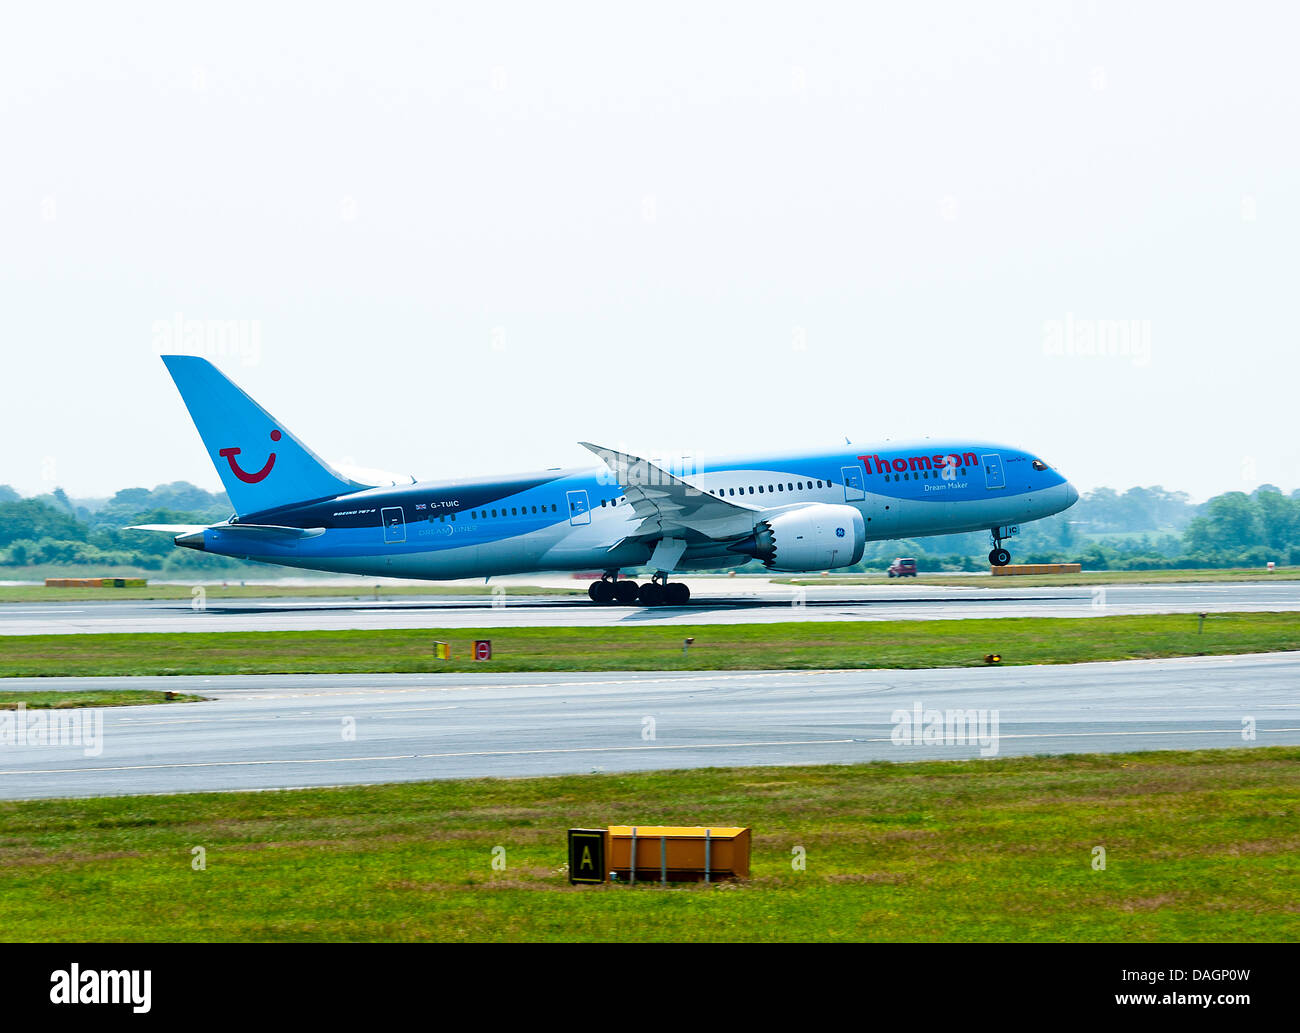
<point x="240" y="472"/>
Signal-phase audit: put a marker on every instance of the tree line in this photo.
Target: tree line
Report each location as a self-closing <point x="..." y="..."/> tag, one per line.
<point x="1139" y="529"/>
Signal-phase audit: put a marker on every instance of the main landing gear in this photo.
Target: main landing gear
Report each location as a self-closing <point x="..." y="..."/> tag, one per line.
<point x="655" y="592"/>
<point x="610" y="590"/>
<point x="999" y="557"/>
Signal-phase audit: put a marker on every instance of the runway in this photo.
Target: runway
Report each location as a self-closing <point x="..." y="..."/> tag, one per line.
<point x="281" y="731"/>
<point x="715" y="602"/>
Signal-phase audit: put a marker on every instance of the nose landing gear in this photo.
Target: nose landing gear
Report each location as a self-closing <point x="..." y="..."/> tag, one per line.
<point x="999" y="557"/>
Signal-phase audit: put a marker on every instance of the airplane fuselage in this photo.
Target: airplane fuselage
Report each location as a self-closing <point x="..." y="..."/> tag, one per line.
<point x="580" y="519"/>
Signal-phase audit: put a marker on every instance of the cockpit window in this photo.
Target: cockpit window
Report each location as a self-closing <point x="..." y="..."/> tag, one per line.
<point x="1038" y="464"/>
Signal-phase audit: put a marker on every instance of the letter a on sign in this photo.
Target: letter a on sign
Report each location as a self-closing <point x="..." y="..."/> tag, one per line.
<point x="586" y="855"/>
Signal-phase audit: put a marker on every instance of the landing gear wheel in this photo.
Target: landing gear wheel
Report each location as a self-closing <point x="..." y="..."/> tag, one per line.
<point x="999" y="557"/>
<point x="650" y="594"/>
<point x="625" y="593"/>
<point x="676" y="594"/>
<point x="601" y="592"/>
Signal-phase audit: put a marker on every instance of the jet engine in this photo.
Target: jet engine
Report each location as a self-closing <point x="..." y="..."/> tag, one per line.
<point x="817" y="537"/>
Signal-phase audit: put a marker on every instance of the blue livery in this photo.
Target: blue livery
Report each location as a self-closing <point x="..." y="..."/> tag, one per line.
<point x="792" y="512"/>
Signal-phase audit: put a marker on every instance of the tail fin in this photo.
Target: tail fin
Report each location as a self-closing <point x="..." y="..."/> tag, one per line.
<point x="261" y="464"/>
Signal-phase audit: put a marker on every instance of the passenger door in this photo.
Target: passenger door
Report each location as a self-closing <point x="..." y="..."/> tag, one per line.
<point x="853" y="490"/>
<point x="579" y="510"/>
<point x="994" y="475"/>
<point x="394" y="525"/>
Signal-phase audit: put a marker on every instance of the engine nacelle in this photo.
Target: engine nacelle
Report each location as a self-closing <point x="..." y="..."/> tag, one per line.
<point x="818" y="537"/>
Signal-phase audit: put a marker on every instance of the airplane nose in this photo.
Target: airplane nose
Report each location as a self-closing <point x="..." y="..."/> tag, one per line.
<point x="1071" y="495"/>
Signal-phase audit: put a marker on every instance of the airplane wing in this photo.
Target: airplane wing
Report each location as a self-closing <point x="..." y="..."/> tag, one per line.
<point x="668" y="506"/>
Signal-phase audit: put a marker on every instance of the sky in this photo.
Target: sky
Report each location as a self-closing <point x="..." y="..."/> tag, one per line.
<point x="457" y="239"/>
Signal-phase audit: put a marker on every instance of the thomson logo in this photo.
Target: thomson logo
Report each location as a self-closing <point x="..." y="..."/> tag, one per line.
<point x="102" y="986"/>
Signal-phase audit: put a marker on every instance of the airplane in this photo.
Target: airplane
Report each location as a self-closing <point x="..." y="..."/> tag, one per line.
<point x="792" y="512"/>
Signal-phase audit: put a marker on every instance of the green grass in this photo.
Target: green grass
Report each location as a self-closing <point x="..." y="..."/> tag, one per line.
<point x="41" y="594"/>
<point x="9" y="700"/>
<point x="784" y="646"/>
<point x="1200" y="846"/>
<point x="1095" y="577"/>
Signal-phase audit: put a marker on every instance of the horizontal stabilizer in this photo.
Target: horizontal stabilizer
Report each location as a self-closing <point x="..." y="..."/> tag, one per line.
<point x="267" y="531"/>
<point x="195" y="536"/>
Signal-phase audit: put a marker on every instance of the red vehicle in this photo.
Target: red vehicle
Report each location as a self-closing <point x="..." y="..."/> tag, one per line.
<point x="904" y="566"/>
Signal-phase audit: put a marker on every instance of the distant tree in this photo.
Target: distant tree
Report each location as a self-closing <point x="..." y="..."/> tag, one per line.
<point x="1279" y="518"/>
<point x="1234" y="519"/>
<point x="191" y="504"/>
<point x="34" y="520"/>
